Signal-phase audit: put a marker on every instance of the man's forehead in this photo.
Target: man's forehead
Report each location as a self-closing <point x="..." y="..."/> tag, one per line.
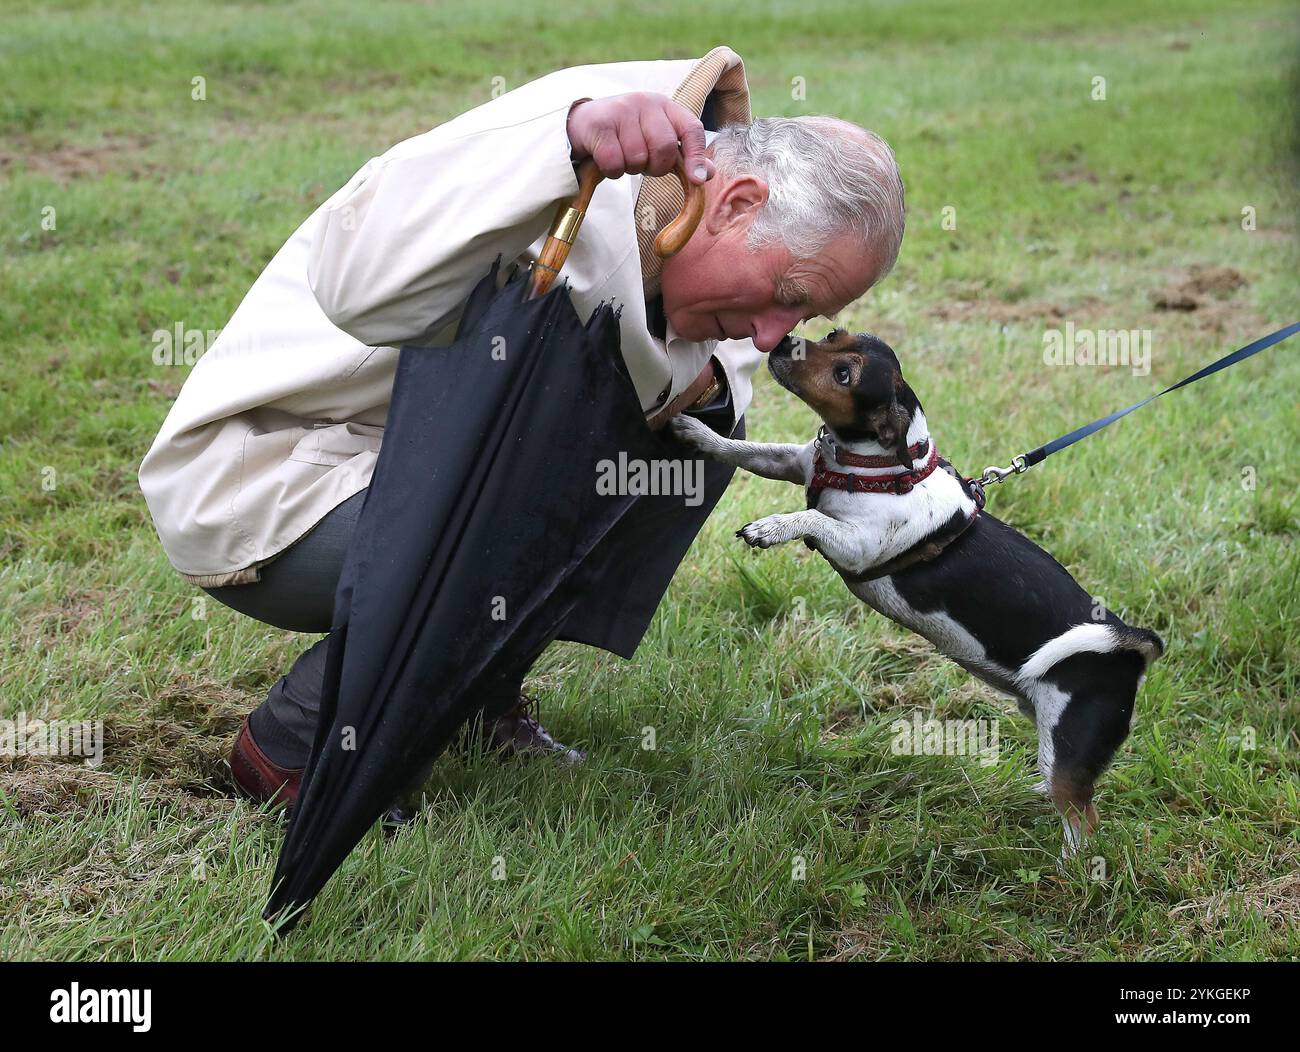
<point x="828" y="284"/>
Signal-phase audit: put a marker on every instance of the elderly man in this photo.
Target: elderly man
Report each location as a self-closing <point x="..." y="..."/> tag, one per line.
<point x="256" y="479"/>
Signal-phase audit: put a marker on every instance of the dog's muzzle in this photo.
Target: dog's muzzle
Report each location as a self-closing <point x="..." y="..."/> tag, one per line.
<point x="779" y="362"/>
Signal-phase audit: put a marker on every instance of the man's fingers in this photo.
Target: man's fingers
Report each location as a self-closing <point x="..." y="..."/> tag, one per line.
<point x="607" y="152"/>
<point x="636" y="152"/>
<point x="639" y="132"/>
<point x="661" y="138"/>
<point x="691" y="133"/>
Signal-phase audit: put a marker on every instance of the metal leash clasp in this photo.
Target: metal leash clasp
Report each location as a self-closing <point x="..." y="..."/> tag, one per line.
<point x="825" y="444"/>
<point x="993" y="473"/>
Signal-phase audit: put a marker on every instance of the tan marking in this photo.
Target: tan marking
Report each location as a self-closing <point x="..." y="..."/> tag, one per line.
<point x="812" y="378"/>
<point x="1072" y="795"/>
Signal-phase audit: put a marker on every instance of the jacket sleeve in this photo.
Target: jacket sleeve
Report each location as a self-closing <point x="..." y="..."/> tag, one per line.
<point x="395" y="252"/>
<point x="739" y="360"/>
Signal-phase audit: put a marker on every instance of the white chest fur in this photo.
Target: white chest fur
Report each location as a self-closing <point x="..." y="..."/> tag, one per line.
<point x="889" y="524"/>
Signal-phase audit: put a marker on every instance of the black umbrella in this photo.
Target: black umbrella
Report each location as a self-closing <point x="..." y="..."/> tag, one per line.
<point x="470" y="547"/>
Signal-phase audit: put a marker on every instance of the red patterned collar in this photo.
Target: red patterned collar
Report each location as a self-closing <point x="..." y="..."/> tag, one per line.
<point x="898" y="483"/>
<point x="847" y="459"/>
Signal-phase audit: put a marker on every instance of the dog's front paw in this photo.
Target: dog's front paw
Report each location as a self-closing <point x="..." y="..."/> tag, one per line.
<point x="691" y="432"/>
<point x="764" y="533"/>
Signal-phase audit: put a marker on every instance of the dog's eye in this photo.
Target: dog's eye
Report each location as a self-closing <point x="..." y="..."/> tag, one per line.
<point x="842" y="375"/>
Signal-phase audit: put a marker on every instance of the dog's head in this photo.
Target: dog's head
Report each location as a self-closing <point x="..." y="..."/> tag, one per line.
<point x="854" y="383"/>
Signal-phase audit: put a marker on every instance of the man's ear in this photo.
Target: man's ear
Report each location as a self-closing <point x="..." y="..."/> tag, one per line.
<point x="736" y="201"/>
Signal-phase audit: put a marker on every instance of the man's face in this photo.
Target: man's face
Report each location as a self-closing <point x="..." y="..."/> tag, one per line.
<point x="718" y="288"/>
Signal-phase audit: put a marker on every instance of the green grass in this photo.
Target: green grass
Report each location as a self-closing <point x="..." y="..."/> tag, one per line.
<point x="769" y="687"/>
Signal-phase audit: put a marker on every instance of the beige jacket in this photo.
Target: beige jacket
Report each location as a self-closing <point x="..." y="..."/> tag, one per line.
<point x="281" y="420"/>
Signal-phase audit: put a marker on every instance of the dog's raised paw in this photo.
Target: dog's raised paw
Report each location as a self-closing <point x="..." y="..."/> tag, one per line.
<point x="689" y="431"/>
<point x="761" y="534"/>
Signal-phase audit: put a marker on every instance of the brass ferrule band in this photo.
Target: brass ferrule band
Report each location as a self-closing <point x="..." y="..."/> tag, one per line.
<point x="567" y="226"/>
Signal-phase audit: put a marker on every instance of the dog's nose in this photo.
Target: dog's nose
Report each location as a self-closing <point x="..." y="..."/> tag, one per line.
<point x="786" y="346"/>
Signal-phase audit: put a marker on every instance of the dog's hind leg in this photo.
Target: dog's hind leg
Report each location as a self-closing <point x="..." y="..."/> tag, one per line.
<point x="1083" y="708"/>
<point x="1062" y="779"/>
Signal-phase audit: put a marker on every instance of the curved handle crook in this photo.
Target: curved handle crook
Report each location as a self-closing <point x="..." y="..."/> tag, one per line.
<point x="569" y="216"/>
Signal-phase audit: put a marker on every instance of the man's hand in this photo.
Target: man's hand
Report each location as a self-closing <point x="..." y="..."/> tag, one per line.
<point x="638" y="133"/>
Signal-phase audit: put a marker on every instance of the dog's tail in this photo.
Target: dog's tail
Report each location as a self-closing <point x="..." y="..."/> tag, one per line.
<point x="1093" y="638"/>
<point x="1143" y="640"/>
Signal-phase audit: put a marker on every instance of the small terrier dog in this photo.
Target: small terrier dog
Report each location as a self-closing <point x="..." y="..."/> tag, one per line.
<point x="906" y="533"/>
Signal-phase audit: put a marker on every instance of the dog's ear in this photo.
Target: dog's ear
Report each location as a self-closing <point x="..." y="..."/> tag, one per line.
<point x="893" y="431"/>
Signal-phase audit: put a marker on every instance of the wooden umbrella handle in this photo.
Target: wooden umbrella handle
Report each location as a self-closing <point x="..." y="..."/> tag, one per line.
<point x="569" y="216"/>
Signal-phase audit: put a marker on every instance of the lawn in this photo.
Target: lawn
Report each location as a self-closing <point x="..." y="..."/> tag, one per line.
<point x="772" y="820"/>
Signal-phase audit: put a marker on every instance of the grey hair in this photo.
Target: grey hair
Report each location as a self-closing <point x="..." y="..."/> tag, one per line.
<point x="826" y="179"/>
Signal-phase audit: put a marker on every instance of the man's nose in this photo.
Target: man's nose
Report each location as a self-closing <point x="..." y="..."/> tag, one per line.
<point x="771" y="327"/>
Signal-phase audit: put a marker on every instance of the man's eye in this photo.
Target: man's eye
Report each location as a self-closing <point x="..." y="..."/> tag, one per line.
<point x="842" y="374"/>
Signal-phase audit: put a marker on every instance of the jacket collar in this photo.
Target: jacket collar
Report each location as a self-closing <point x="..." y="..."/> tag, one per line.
<point x="718" y="78"/>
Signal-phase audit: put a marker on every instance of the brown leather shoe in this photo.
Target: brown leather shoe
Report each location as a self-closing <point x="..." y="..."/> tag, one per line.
<point x="518" y="732"/>
<point x="258" y="778"/>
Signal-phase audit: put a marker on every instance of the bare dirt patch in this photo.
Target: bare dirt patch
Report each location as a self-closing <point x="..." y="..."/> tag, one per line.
<point x="1074" y="174"/>
<point x="38" y="785"/>
<point x="177" y="832"/>
<point x="66" y="161"/>
<point x="75" y="612"/>
<point x="1201" y="286"/>
<point x="181" y="739"/>
<point x="178" y="742"/>
<point x="1006" y="313"/>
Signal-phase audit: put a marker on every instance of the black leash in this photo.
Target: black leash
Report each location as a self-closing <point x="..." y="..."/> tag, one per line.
<point x="1022" y="463"/>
